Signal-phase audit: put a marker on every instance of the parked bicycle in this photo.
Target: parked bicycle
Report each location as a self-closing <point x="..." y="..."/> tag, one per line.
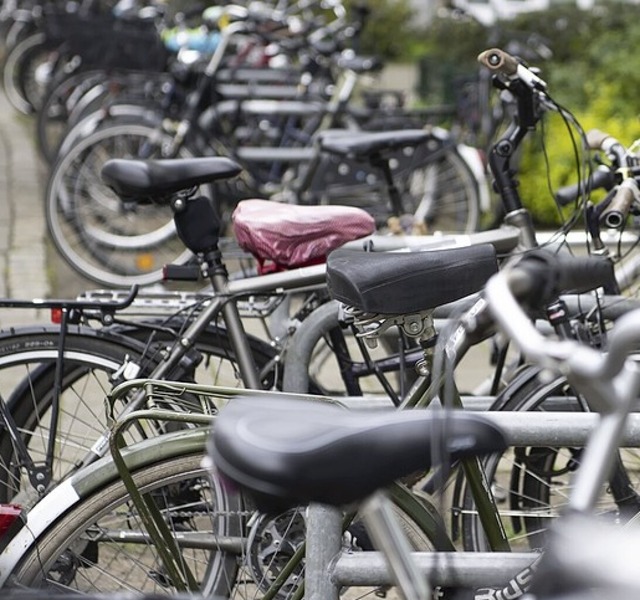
<point x="317" y="453"/>
<point x="440" y="180"/>
<point x="408" y="319"/>
<point x="62" y="40"/>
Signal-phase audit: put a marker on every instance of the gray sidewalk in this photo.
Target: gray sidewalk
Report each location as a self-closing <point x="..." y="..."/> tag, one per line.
<point x="23" y="235"/>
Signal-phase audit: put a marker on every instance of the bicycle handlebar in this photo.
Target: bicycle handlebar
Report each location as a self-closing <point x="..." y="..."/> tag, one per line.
<point x="542" y="276"/>
<point x="499" y="61"/>
<point x="539" y="276"/>
<point x="599" y="179"/>
<point x="615" y="208"/>
<point x="599" y="140"/>
<point x="617" y="211"/>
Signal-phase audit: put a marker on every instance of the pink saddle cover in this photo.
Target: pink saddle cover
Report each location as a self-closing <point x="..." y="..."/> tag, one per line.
<point x="290" y="235"/>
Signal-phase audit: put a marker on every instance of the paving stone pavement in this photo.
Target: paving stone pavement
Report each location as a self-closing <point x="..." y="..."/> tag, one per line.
<point x="23" y="236"/>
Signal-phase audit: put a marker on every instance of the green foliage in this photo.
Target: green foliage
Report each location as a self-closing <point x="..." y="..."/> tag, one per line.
<point x="388" y="32"/>
<point x="594" y="72"/>
<point x="555" y="157"/>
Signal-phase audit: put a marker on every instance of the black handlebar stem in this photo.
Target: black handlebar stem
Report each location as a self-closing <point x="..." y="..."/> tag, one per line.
<point x="524" y="120"/>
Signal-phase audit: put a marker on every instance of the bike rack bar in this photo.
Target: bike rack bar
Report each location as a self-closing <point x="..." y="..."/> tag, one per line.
<point x="557" y="429"/>
<point x="549" y="428"/>
<point x="473" y="403"/>
<point x="465" y="569"/>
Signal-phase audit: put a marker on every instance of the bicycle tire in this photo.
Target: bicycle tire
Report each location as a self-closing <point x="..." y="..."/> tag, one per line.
<point x="74" y="98"/>
<point x="94" y="361"/>
<point x="87" y="123"/>
<point x="99" y="236"/>
<point x="53" y="118"/>
<point x="20" y="29"/>
<point x="442" y="192"/>
<point x="64" y="557"/>
<point x="21" y="89"/>
<point x="438" y="188"/>
<point x="533" y="483"/>
<point x="456" y="202"/>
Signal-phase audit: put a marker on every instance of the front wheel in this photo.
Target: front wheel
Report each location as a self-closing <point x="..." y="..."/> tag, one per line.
<point x="532" y="484"/>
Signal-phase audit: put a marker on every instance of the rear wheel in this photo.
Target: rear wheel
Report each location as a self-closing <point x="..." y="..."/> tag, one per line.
<point x="437" y="187"/>
<point x="23" y="84"/>
<point x="53" y="118"/>
<point x="107" y="240"/>
<point x="442" y="193"/>
<point x="93" y="364"/>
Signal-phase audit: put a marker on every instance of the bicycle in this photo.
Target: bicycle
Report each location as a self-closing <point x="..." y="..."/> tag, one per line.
<point x="423" y="390"/>
<point x="89" y="231"/>
<point x="301" y="467"/>
<point x="169" y="347"/>
<point x="90" y="484"/>
<point x="294" y="355"/>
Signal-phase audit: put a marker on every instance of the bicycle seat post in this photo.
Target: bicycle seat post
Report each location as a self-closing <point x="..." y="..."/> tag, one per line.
<point x="382" y="163"/>
<point x="198" y="226"/>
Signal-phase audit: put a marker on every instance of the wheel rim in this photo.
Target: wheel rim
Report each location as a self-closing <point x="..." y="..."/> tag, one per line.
<point x="106" y="240"/>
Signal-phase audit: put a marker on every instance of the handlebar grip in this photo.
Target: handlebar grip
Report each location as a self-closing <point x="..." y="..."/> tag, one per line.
<point x="499" y="61"/>
<point x="598" y="140"/>
<point x="541" y="276"/>
<point x="615" y="214"/>
<point x="595" y="138"/>
<point x="583" y="273"/>
<point x="502" y="62"/>
<point x="600" y="179"/>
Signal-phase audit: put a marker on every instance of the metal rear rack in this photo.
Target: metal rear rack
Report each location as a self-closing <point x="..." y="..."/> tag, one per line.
<point x="165" y="303"/>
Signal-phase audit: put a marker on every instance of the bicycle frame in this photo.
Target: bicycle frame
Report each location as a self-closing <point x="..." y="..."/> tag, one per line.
<point x="325" y="526"/>
<point x="227" y="293"/>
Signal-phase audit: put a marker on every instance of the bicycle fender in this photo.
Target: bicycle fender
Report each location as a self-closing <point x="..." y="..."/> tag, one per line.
<point x="73" y="490"/>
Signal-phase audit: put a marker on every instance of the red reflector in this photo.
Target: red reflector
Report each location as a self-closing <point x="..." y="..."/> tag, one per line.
<point x="9" y="514"/>
<point x="56" y="315"/>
